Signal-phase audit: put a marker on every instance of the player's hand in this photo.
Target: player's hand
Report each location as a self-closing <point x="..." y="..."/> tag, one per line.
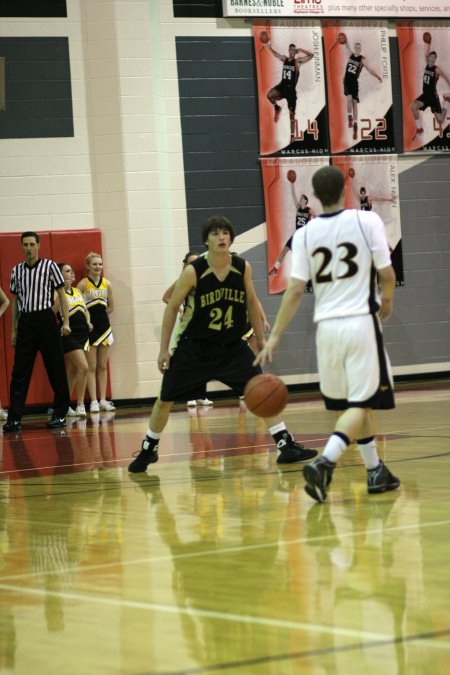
<point x="65" y="329"/>
<point x="266" y="354"/>
<point x="266" y="326"/>
<point x="163" y="361"/>
<point x="385" y="311"/>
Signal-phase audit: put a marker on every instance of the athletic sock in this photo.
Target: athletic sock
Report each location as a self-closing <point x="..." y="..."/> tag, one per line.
<point x="368" y="449"/>
<point x="335" y="446"/>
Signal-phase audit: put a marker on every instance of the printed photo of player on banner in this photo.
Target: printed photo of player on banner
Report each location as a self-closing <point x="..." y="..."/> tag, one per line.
<point x="291" y="87"/>
<point x="359" y="86"/>
<point x="289" y="204"/>
<point x="372" y="185"/>
<point x="424" y="51"/>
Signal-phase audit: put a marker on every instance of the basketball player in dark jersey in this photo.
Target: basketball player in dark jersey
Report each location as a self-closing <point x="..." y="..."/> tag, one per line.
<point x="429" y="97"/>
<point x="219" y="292"/>
<point x="356" y="62"/>
<point x="289" y="78"/>
<point x="365" y="201"/>
<point x="303" y="215"/>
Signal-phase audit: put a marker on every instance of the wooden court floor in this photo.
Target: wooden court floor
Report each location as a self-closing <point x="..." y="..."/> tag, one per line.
<point x="216" y="561"/>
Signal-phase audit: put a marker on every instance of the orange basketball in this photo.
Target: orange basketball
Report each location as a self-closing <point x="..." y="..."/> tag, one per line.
<point x="351" y="172"/>
<point x="342" y="38"/>
<point x="291" y="176"/>
<point x="264" y="37"/>
<point x="266" y="395"/>
<point x="427" y="38"/>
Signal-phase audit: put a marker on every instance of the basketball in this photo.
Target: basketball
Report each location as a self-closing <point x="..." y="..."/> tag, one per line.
<point x="427" y="38"/>
<point x="351" y="172"/>
<point x="265" y="395"/>
<point x="291" y="176"/>
<point x="342" y="38"/>
<point x="264" y="37"/>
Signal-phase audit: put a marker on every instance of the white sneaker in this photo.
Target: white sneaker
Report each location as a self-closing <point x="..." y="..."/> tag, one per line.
<point x="204" y="401"/>
<point x="71" y="413"/>
<point x="94" y="407"/>
<point x="80" y="411"/>
<point x="192" y="404"/>
<point x="108" y="406"/>
<point x="3" y="414"/>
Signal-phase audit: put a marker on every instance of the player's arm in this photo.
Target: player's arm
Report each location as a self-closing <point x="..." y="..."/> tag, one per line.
<point x="254" y="307"/>
<point x="372" y="72"/>
<point x="289" y="305"/>
<point x="279" y="261"/>
<point x="14" y="320"/>
<point x="386" y="278"/>
<point x="186" y="282"/>
<point x="276" y="54"/>
<point x="307" y="55"/>
<point x="168" y="293"/>
<point x="265" y="320"/>
<point x="64" y="310"/>
<point x="294" y="197"/>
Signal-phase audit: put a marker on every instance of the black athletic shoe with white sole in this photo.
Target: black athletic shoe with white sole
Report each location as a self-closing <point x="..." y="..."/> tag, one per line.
<point x="291" y="451"/>
<point x="318" y="475"/>
<point x="145" y="457"/>
<point x="381" y="479"/>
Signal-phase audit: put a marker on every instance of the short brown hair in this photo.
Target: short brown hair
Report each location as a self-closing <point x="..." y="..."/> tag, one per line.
<point x="328" y="183"/>
<point x="216" y="223"/>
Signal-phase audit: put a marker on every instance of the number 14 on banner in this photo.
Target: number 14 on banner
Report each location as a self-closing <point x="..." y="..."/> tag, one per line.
<point x="311" y="129"/>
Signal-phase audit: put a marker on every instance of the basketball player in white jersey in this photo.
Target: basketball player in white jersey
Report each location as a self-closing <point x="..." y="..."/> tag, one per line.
<point x="342" y="251"/>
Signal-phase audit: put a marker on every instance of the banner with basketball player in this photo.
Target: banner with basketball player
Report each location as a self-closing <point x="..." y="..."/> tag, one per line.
<point x="372" y="185"/>
<point x="424" y="51"/>
<point x="289" y="204"/>
<point x="291" y="88"/>
<point x="358" y="70"/>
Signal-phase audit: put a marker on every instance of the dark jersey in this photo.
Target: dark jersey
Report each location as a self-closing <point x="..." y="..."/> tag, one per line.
<point x="216" y="311"/>
<point x="353" y="68"/>
<point x="302" y="216"/>
<point x="430" y="78"/>
<point x="290" y="73"/>
<point x="365" y="204"/>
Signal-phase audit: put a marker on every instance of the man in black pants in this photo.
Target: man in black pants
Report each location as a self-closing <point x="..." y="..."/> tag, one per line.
<point x="34" y="329"/>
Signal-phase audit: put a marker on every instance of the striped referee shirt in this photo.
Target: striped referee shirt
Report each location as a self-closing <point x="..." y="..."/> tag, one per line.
<point x="35" y="286"/>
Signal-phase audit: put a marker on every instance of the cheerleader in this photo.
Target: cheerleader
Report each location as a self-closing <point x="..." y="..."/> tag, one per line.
<point x="98" y="296"/>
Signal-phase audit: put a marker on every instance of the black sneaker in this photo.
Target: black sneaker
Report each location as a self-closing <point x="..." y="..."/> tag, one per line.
<point x="381" y="479"/>
<point x="12" y="425"/>
<point x="318" y="476"/>
<point x="144" y="458"/>
<point x="291" y="451"/>
<point x="56" y="422"/>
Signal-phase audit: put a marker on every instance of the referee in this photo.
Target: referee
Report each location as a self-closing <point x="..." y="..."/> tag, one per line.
<point x="34" y="329"/>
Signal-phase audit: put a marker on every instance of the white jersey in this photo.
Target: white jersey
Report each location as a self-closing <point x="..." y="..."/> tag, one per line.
<point x="340" y="252"/>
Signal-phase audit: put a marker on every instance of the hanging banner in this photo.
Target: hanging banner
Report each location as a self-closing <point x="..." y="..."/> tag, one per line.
<point x="291" y="88"/>
<point x="425" y="75"/>
<point x="314" y="9"/>
<point x="372" y="185"/>
<point x="358" y="69"/>
<point x="289" y="204"/>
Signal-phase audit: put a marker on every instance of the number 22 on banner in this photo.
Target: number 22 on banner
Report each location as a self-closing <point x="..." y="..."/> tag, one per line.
<point x="311" y="129"/>
<point x="380" y="128"/>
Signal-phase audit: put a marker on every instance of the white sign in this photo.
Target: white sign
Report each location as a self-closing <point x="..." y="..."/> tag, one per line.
<point x="416" y="9"/>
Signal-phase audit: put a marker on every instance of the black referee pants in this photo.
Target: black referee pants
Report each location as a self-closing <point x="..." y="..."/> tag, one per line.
<point x="38" y="332"/>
